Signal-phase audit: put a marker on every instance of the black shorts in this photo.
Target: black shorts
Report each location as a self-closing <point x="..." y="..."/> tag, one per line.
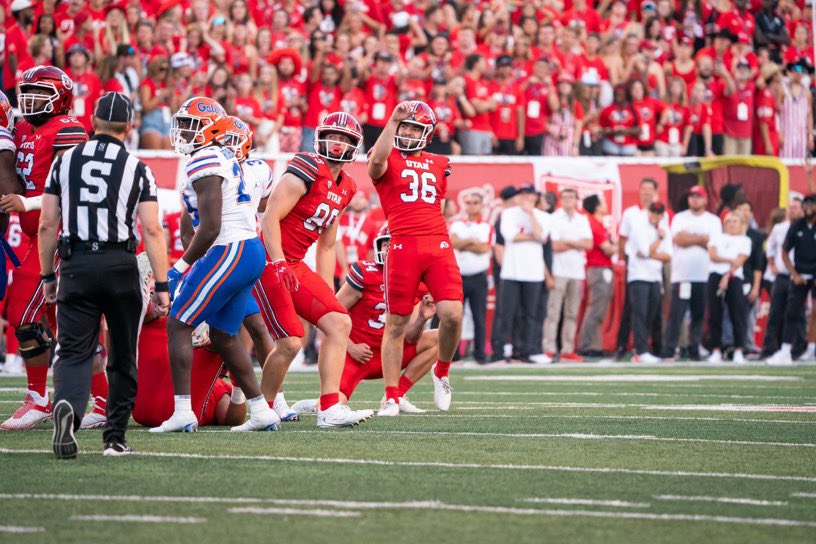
<point x="649" y="147"/>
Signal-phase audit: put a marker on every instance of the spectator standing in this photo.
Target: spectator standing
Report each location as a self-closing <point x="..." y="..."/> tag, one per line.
<point x="738" y="110"/>
<point x="796" y="113"/>
<point x="588" y="93"/>
<point x="801" y="242"/>
<point x="710" y="75"/>
<point x="508" y="200"/>
<point x="691" y="232"/>
<point x="766" y="132"/>
<point x="477" y="138"/>
<point x="781" y="283"/>
<point x="16" y="44"/>
<point x="771" y="30"/>
<point x="539" y="101"/>
<point x="508" y="118"/>
<point x="571" y="237"/>
<point x="381" y="88"/>
<point x="701" y="143"/>
<point x="620" y="126"/>
<point x="443" y="100"/>
<point x="674" y="126"/>
<point x="547" y="203"/>
<point x="600" y="276"/>
<point x="87" y="86"/>
<point x="647" y="111"/>
<point x="291" y="101"/>
<point x="524" y="229"/>
<point x="155" y="101"/>
<point x="471" y="239"/>
<point x="752" y="273"/>
<point x="728" y="253"/>
<point x="647" y="249"/>
<point x="564" y="127"/>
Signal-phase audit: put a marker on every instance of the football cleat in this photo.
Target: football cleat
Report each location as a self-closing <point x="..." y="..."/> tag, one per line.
<point x="646" y="357"/>
<point x="94" y="420"/>
<point x="715" y="357"/>
<point x="285" y="413"/>
<point x="780" y="358"/>
<point x="116" y="449"/>
<point x="29" y="414"/>
<point x="541" y="359"/>
<point x="408" y="407"/>
<point x="62" y="440"/>
<point x="14" y="365"/>
<point x="442" y="392"/>
<point x="739" y="358"/>
<point x="340" y="415"/>
<point x="389" y="409"/>
<point x="266" y="421"/>
<point x="179" y="422"/>
<point x="305" y="406"/>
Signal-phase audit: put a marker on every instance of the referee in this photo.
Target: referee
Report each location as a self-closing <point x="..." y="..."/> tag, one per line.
<point x="95" y="191"/>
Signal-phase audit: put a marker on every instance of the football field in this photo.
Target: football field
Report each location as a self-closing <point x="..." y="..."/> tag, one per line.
<point x="581" y="453"/>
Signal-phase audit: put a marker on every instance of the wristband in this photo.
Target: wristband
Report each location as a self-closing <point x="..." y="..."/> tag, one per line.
<point x="277" y="262"/>
<point x="31" y="203"/>
<point x="181" y="266"/>
<point x="48" y="278"/>
<point x="162" y="287"/>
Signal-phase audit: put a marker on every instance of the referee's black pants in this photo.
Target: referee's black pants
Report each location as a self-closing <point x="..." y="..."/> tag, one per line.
<point x="92" y="285"/>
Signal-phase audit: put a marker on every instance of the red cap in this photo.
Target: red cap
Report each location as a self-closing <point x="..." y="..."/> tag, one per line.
<point x="698" y="190"/>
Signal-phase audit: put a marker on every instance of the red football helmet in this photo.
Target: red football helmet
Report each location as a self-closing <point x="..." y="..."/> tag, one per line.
<point x="383" y="237"/>
<point x="45" y="91"/>
<point x="6" y="116"/>
<point x="423" y="116"/>
<point x="334" y="150"/>
<point x="238" y="137"/>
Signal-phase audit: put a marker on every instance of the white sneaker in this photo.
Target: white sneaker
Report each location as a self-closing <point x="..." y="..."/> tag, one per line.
<point x="266" y="421"/>
<point x="179" y="422"/>
<point x="35" y="409"/>
<point x="647" y="358"/>
<point x="541" y="359"/>
<point x="442" y="392"/>
<point x="780" y="358"/>
<point x="739" y="358"/>
<point x="305" y="406"/>
<point x="715" y="357"/>
<point x="808" y="355"/>
<point x="285" y="413"/>
<point x="14" y="365"/>
<point x="408" y="407"/>
<point x="341" y="415"/>
<point x="93" y="420"/>
<point x="389" y="409"/>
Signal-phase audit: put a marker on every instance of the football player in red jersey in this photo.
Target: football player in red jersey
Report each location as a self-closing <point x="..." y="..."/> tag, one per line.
<point x="302" y="210"/>
<point x="45" y="95"/>
<point x="412" y="184"/>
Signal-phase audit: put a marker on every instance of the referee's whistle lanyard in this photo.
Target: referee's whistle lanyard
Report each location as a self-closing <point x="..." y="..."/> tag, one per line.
<point x="6" y="251"/>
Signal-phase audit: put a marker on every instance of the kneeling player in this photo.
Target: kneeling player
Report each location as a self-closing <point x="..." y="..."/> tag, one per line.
<point x="363" y="295"/>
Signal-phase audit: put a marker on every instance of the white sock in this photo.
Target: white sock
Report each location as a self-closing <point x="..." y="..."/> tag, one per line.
<point x="39" y="399"/>
<point x="280" y="398"/>
<point x="786" y="348"/>
<point x="237" y="396"/>
<point x="811" y="347"/>
<point x="257" y="405"/>
<point x="183" y="403"/>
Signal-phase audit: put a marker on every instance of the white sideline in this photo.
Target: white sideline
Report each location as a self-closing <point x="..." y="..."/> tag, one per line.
<point x="632" y="378"/>
<point x="17" y="529"/>
<point x="627" y="394"/>
<point x="587" y="502"/>
<point x="295" y="511"/>
<point x="140" y="519"/>
<point x="804" y="495"/>
<point x="667" y="418"/>
<point x="734" y="408"/>
<point x="436" y="464"/>
<point x="725" y="500"/>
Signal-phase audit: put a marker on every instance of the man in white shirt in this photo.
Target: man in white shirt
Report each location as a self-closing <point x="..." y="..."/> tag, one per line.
<point x="471" y="240"/>
<point x="648" y="247"/>
<point x="524" y="229"/>
<point x="781" y="282"/>
<point x="635" y="215"/>
<point x="571" y="236"/>
<point x="690" y="230"/>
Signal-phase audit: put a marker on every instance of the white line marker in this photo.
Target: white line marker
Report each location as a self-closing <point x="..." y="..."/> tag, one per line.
<point x="726" y="500"/>
<point x="295" y="512"/>
<point x="587" y="502"/>
<point x="666" y="418"/>
<point x="632" y="378"/>
<point x="627" y="394"/>
<point x="804" y="495"/>
<point x="18" y="529"/>
<point x="733" y="408"/>
<point x="140" y="519"/>
<point x="436" y="464"/>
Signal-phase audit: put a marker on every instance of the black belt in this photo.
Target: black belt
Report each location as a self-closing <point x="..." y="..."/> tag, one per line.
<point x="94" y="247"/>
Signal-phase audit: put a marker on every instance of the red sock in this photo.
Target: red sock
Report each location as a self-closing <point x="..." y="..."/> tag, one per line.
<point x="404" y="385"/>
<point x="99" y="386"/>
<point x="37" y="376"/>
<point x="392" y="393"/>
<point x="327" y="401"/>
<point x="441" y="369"/>
<point x="272" y="404"/>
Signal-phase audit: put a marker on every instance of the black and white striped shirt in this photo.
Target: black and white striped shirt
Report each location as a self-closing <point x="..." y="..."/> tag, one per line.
<point x="99" y="185"/>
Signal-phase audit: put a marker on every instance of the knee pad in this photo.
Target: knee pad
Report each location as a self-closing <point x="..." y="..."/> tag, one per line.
<point x="36" y="332"/>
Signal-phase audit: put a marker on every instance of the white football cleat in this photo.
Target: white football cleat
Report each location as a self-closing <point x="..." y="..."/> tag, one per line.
<point x="739" y="358"/>
<point x="14" y="365"/>
<point x="715" y="357"/>
<point x="389" y="409"/>
<point x="93" y="420"/>
<point x="305" y="406"/>
<point x="780" y="358"/>
<point x="541" y="359"/>
<point x="442" y="392"/>
<point x="341" y="415"/>
<point x="646" y="357"/>
<point x="408" y="407"/>
<point x="35" y="409"/>
<point x="266" y="421"/>
<point x="179" y="422"/>
<point x="285" y="413"/>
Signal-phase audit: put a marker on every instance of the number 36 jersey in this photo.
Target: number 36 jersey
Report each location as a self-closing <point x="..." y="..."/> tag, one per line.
<point x="318" y="209"/>
<point x="411" y="192"/>
<point x="237" y="212"/>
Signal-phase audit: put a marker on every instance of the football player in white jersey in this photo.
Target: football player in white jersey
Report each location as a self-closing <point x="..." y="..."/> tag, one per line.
<point x="213" y="280"/>
<point x="9" y="184"/>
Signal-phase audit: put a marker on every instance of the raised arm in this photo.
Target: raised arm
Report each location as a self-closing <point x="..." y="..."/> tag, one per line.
<point x="378" y="161"/>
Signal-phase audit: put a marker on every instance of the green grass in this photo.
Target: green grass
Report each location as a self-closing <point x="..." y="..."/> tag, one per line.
<point x="440" y="458"/>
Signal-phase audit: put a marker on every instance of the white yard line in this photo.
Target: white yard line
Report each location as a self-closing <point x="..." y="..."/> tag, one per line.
<point x="587" y="502"/>
<point x="295" y="511"/>
<point x="140" y="519"/>
<point x="436" y="464"/>
<point x="632" y="378"/>
<point x="567" y="416"/>
<point x="733" y="408"/>
<point x="19" y="530"/>
<point x="725" y="500"/>
<point x="804" y="495"/>
<point x="627" y="394"/>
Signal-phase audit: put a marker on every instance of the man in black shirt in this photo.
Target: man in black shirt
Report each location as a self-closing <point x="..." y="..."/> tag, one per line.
<point x="771" y="30"/>
<point x="801" y="239"/>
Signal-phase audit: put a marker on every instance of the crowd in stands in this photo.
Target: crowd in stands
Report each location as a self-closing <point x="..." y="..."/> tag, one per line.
<point x="533" y="77"/>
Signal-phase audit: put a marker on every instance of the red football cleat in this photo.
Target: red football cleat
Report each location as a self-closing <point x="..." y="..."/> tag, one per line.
<point x="573" y="357"/>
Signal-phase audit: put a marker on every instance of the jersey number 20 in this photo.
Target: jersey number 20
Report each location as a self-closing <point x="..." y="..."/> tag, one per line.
<point x="421" y="185"/>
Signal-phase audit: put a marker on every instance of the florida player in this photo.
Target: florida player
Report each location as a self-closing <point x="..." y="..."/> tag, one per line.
<point x="224" y="258"/>
<point x="8" y="185"/>
<point x="412" y="184"/>
<point x="303" y="210"/>
<point x="364" y="297"/>
<point x="45" y="95"/>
